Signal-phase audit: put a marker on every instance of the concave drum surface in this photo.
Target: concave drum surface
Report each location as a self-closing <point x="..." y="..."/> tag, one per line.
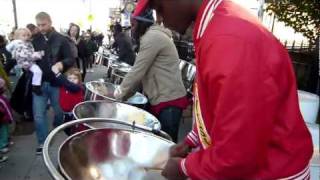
<point x="103" y="90"/>
<point x="114" y="110"/>
<point x="113" y="154"/>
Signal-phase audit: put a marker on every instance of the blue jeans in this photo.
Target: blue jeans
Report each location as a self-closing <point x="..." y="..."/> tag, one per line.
<point x="40" y="110"/>
<point x="169" y="118"/>
<point x="4" y="135"/>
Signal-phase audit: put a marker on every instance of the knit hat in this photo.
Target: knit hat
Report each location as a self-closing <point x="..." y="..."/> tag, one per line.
<point x="142" y="12"/>
<point x="140" y="7"/>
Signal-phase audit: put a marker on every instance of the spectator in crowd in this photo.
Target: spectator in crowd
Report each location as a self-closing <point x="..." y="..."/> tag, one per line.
<point x="6" y="57"/>
<point x="157" y="69"/>
<point x="23" y="52"/>
<point x="98" y="38"/>
<point x="83" y="54"/>
<point x="71" y="93"/>
<point x="33" y="29"/>
<point x="247" y="119"/>
<point x="123" y="45"/>
<point x="92" y="48"/>
<point x="5" y="119"/>
<point x="57" y="53"/>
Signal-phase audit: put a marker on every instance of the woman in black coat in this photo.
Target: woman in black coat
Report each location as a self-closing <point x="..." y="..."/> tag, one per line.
<point x="83" y="54"/>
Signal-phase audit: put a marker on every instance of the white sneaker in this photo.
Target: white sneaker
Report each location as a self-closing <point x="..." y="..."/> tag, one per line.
<point x="3" y="158"/>
<point x="39" y="150"/>
<point x="4" y="150"/>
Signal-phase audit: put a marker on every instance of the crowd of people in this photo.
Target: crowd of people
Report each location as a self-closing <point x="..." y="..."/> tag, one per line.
<point x="48" y="65"/>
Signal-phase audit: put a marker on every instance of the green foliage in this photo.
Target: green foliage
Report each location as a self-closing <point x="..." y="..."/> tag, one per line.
<point x="302" y="15"/>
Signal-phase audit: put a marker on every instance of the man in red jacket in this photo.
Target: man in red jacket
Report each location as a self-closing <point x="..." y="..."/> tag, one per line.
<point x="247" y="119"/>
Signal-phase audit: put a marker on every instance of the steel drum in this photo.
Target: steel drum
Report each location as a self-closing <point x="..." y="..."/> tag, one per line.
<point x="114" y="64"/>
<point x="114" y="110"/>
<point x="188" y="74"/>
<point x="121" y="151"/>
<point x="118" y="71"/>
<point x="99" y="90"/>
<point x="185" y="50"/>
<point x="314" y="130"/>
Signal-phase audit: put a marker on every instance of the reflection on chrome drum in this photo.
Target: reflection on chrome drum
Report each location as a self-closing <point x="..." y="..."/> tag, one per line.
<point x="115" y="110"/>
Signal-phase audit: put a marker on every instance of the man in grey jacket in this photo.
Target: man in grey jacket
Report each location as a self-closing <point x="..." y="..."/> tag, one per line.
<point x="157" y="69"/>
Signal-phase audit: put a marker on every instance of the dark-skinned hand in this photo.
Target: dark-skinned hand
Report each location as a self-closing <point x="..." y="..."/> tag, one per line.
<point x="180" y="150"/>
<point x="172" y="170"/>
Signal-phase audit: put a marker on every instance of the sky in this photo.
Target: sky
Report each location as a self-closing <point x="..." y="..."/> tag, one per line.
<point x="65" y="11"/>
<point x="62" y="12"/>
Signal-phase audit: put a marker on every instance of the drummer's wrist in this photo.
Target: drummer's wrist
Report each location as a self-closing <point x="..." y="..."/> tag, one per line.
<point x="182" y="167"/>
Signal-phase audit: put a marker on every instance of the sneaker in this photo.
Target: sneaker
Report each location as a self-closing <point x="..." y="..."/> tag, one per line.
<point x="3" y="158"/>
<point x="11" y="143"/>
<point x="39" y="150"/>
<point x="4" y="150"/>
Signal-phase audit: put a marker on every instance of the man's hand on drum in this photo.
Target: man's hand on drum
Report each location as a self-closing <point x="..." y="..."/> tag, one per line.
<point x="180" y="150"/>
<point x="172" y="170"/>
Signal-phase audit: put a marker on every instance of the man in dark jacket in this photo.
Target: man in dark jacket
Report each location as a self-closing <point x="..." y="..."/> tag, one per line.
<point x="57" y="53"/>
<point x="123" y="45"/>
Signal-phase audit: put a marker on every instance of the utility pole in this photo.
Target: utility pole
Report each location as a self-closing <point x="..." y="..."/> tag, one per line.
<point x="15" y="13"/>
<point x="318" y="52"/>
<point x="261" y="9"/>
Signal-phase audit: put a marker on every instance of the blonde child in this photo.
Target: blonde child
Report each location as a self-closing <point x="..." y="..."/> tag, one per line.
<point x="23" y="52"/>
<point x="71" y="92"/>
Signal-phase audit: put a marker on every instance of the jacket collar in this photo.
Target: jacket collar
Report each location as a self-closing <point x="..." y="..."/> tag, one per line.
<point x="204" y="17"/>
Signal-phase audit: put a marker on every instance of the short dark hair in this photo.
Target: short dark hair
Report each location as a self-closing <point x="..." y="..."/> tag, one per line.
<point x="31" y="27"/>
<point x="43" y="16"/>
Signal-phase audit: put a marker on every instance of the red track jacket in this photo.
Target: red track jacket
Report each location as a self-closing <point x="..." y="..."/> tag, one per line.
<point x="248" y="118"/>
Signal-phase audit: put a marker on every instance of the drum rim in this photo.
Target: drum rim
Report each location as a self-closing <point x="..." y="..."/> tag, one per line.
<point x="97" y="129"/>
<point x="115" y="102"/>
<point x="145" y="99"/>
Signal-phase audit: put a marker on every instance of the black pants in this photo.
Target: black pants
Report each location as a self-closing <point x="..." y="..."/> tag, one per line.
<point x="9" y="65"/>
<point x="82" y="64"/>
<point x="90" y="61"/>
<point x="169" y="118"/>
<point x="68" y="117"/>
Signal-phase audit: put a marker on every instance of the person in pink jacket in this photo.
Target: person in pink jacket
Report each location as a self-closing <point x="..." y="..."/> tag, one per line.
<point x="247" y="120"/>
